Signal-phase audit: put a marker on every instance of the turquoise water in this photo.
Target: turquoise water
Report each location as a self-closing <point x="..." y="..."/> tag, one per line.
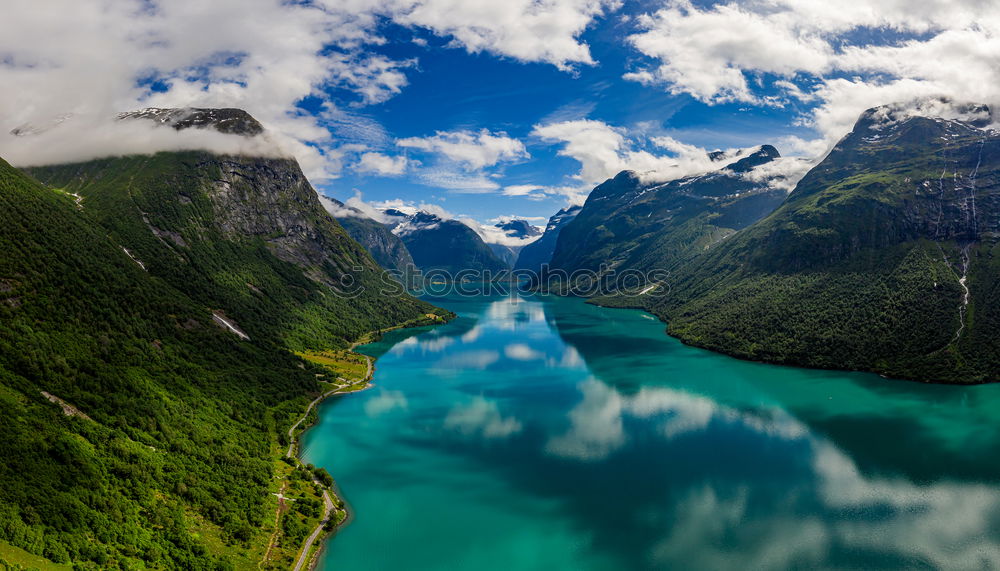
<point x="545" y="433"/>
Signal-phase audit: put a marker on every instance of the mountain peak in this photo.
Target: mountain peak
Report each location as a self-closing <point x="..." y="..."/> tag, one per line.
<point x="518" y="228"/>
<point x="226" y="120"/>
<point x="977" y="115"/>
<point x="763" y="155"/>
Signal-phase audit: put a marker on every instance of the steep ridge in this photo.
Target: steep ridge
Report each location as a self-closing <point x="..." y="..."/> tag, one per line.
<point x="532" y="256"/>
<point x="150" y="308"/>
<point x="440" y="245"/>
<point x="247" y="235"/>
<point x="883" y="258"/>
<point x="627" y="223"/>
<point x="162" y="422"/>
<point x="387" y="249"/>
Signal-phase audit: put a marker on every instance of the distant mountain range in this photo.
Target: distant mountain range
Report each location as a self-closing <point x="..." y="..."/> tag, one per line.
<point x="430" y="242"/>
<point x="518" y="229"/>
<point x="442" y="245"/>
<point x="628" y="222"/>
<point x="388" y="250"/>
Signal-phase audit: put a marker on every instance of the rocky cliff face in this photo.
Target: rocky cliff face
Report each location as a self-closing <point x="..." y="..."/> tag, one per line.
<point x="247" y="235"/>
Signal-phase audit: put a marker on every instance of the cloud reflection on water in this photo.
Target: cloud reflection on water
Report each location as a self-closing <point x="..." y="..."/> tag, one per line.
<point x="839" y="512"/>
<point x="481" y="417"/>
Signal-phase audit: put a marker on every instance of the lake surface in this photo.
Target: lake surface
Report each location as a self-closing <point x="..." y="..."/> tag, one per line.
<point x="545" y="433"/>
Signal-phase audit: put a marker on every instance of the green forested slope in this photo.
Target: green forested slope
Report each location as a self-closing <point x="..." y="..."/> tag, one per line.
<point x="182" y="412"/>
<point x="860" y="268"/>
<point x="178" y="418"/>
<point x="244" y="235"/>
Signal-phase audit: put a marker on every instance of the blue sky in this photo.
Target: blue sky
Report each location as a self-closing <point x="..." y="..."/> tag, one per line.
<point x="454" y="90"/>
<point x="485" y="108"/>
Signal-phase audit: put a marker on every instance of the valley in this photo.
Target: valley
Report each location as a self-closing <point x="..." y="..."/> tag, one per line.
<point x="528" y="285"/>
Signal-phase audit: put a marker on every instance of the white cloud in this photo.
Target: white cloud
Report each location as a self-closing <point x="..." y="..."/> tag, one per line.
<point x="574" y="195"/>
<point x="596" y="145"/>
<point x="504" y="218"/>
<point x="385" y="401"/>
<point x="93" y="58"/>
<point x="597" y="428"/>
<point x="604" y="150"/>
<point x="472" y="150"/>
<point x="464" y="162"/>
<point x="804" y="49"/>
<point x="69" y="58"/>
<point x="493" y="235"/>
<point x="382" y="164"/>
<point x="376" y="78"/>
<point x="457" y="181"/>
<point x="783" y="172"/>
<point x="83" y="138"/>
<point x="522" y="190"/>
<point x="526" y="30"/>
<point x="469" y="360"/>
<point x="354" y="207"/>
<point x="704" y="52"/>
<point x="522" y="352"/>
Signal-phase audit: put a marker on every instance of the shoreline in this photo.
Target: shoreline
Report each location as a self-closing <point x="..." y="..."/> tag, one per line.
<point x="308" y="556"/>
<point x="774" y="362"/>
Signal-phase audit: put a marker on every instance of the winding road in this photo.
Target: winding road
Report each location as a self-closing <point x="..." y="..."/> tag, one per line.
<point x="328" y="506"/>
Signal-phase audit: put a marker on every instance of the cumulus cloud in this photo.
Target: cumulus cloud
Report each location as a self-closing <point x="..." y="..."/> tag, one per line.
<point x="264" y="56"/>
<point x="769" y="52"/>
<point x="68" y="59"/>
<point x="464" y="162"/>
<point x="82" y="138"/>
<point x="526" y="30"/>
<point x="382" y="164"/>
<point x="471" y="149"/>
<point x="574" y="195"/>
<point x="604" y="150"/>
